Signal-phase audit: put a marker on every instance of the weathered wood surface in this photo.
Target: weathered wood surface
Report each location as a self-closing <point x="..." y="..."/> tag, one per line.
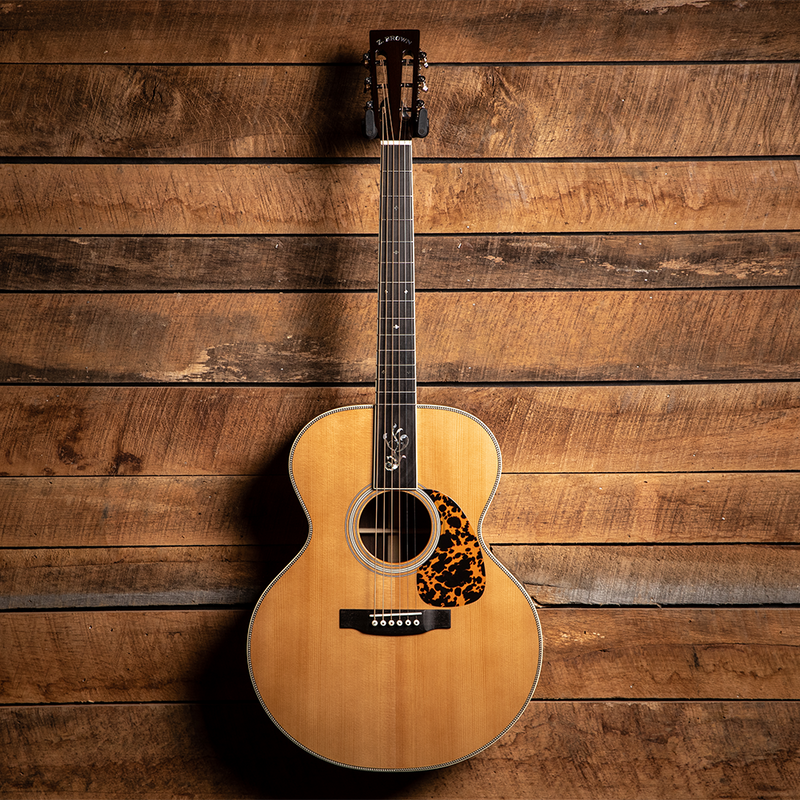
<point x="591" y="146"/>
<point x="124" y="511"/>
<point x="149" y="511"/>
<point x="161" y="656"/>
<point x="84" y="430"/>
<point x="467" y="197"/>
<point x="604" y="750"/>
<point x="293" y="31"/>
<point x="679" y="654"/>
<point x="137" y="577"/>
<point x="552" y="574"/>
<point x="70" y="430"/>
<point x="472" y="336"/>
<point x="287" y="263"/>
<point x="632" y="508"/>
<point x="657" y="575"/>
<point x="570" y="111"/>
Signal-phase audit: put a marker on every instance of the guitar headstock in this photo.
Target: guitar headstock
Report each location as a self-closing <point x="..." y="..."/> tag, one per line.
<point x="395" y="109"/>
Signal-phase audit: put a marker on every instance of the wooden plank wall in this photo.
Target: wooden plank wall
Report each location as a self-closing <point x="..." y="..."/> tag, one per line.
<point x="609" y="275"/>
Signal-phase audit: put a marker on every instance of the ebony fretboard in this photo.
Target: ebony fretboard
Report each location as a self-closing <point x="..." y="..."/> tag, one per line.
<point x="395" y="464"/>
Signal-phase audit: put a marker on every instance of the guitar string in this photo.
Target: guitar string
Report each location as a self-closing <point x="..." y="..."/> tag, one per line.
<point x="386" y="420"/>
<point x="388" y="346"/>
<point x="379" y="520"/>
<point x="397" y="337"/>
<point x="407" y="238"/>
<point x="396" y="508"/>
<point x="388" y="354"/>
<point x="393" y="372"/>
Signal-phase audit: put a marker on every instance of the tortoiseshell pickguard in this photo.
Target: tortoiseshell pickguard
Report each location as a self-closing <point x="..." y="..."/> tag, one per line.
<point x="454" y="575"/>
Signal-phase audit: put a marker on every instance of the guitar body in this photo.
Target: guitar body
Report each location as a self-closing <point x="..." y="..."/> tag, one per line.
<point x="394" y="702"/>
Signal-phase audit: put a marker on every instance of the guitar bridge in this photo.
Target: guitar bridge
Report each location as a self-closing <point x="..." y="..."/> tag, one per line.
<point x="394" y="623"/>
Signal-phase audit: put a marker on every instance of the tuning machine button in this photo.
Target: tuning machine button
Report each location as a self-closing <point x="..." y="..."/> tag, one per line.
<point x="422" y="119"/>
<point x="368" y="126"/>
<point x="423" y="83"/>
<point x="423" y="59"/>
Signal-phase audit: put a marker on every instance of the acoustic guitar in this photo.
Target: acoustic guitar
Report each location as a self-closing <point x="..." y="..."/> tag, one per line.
<point x="395" y="640"/>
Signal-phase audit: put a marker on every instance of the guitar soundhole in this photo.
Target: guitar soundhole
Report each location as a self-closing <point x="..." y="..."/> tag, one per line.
<point x="395" y="526"/>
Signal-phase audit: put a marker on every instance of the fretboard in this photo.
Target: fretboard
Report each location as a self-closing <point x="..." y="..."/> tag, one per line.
<point x="395" y="462"/>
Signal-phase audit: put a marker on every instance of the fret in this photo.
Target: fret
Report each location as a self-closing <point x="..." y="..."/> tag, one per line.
<point x="396" y="384"/>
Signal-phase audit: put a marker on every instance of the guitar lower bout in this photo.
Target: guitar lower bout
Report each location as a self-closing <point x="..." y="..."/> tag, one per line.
<point x="395" y="655"/>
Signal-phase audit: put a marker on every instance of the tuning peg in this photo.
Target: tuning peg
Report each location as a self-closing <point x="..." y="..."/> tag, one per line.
<point x="423" y="59"/>
<point x="365" y="60"/>
<point x="367" y="83"/>
<point x="423" y="84"/>
<point x="422" y="119"/>
<point x="368" y="126"/>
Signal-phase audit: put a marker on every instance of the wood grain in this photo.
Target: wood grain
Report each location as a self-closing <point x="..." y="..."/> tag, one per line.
<point x="719" y="653"/>
<point x="632" y="750"/>
<point x="630" y="508"/>
<point x="656" y="574"/>
<point x="646" y="575"/>
<point x="670" y="428"/>
<point x="558" y="336"/>
<point x="606" y="750"/>
<point x="679" y="654"/>
<point x="471" y="197"/>
<point x="608" y="146"/>
<point x="292" y="263"/>
<point x="125" y="511"/>
<point x="574" y="111"/>
<point x="290" y="31"/>
<point x="638" y="428"/>
<point x="136" y="577"/>
<point x="124" y="656"/>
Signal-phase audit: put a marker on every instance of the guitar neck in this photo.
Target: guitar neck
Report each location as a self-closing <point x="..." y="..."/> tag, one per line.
<point x="395" y="461"/>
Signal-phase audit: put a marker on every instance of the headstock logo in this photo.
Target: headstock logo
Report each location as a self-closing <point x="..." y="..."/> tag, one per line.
<point x="395" y="38"/>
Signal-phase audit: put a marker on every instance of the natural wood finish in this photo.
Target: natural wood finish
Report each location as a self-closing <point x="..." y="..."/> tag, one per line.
<point x="635" y="508"/>
<point x="137" y="577"/>
<point x="123" y="511"/>
<point x="679" y="654"/>
<point x="291" y="31"/>
<point x="739" y="653"/>
<point x="558" y="336"/>
<point x="367" y="701"/>
<point x="587" y="750"/>
<point x="242" y="430"/>
<point x="214" y="149"/>
<point x="124" y="656"/>
<point x="652" y="428"/>
<point x="470" y="197"/>
<point x="645" y="575"/>
<point x="290" y="263"/>
<point x="657" y="575"/>
<point x="586" y="111"/>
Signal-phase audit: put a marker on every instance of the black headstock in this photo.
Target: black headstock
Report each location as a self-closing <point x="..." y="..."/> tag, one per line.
<point x="395" y="110"/>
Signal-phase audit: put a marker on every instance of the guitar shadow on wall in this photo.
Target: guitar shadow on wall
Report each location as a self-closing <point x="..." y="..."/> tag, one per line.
<point x="255" y="758"/>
